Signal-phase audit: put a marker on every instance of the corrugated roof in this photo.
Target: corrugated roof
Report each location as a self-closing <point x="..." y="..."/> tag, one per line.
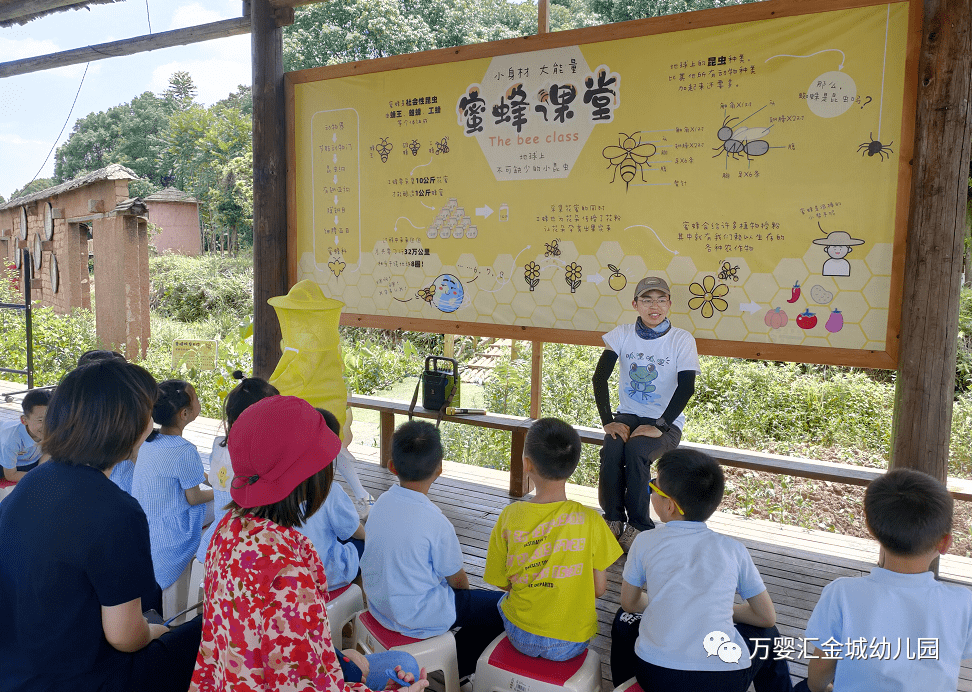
<point x="114" y="171"/>
<point x="23" y="11"/>
<point x="170" y="194"/>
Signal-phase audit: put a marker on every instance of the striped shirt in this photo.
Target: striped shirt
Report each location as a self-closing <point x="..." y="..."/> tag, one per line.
<point x="167" y="467"/>
<point x="122" y="474"/>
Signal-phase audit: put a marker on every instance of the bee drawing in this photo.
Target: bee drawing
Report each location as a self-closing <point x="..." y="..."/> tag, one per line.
<point x="384" y="148"/>
<point x="628" y="158"/>
<point x="741" y="140"/>
<point x="442" y="146"/>
<point x="729" y="272"/>
<point x="553" y="249"/>
<point x="426" y="294"/>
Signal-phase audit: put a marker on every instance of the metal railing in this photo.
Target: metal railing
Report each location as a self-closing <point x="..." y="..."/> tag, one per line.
<point x="29" y="372"/>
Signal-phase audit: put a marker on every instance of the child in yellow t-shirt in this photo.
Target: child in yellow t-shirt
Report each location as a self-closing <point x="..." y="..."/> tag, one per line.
<point x="550" y="553"/>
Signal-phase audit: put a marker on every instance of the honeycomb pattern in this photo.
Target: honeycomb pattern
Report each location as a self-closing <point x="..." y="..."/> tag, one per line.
<point x="598" y="298"/>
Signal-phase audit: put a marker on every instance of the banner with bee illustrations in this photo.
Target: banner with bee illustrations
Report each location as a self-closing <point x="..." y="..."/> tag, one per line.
<point x="756" y="161"/>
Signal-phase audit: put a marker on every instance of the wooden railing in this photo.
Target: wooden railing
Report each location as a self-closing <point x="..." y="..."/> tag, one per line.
<point x="961" y="489"/>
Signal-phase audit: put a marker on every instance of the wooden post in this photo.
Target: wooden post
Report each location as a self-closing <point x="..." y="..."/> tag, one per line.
<point x="269" y="184"/>
<point x="536" y="379"/>
<point x="449" y="345"/>
<point x="386" y="423"/>
<point x="519" y="482"/>
<point x="922" y="423"/>
<point x="543" y="16"/>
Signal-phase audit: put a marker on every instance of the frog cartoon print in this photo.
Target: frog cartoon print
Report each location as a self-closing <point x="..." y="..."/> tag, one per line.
<point x="641" y="377"/>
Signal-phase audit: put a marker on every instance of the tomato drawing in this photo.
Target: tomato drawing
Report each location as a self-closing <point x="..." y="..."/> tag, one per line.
<point x="806" y="320"/>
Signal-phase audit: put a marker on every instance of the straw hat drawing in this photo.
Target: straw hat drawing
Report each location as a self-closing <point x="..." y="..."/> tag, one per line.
<point x="838" y="238"/>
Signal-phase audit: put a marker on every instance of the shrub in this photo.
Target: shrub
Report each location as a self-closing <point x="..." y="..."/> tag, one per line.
<point x="194" y="289"/>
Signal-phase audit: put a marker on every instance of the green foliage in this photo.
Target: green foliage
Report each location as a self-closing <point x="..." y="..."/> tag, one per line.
<point x="32" y="187"/>
<point x="623" y="10"/>
<point x="130" y="134"/>
<point x="349" y="30"/>
<point x="375" y="363"/>
<point x="180" y="95"/>
<point x="963" y="361"/>
<point x="209" y="287"/>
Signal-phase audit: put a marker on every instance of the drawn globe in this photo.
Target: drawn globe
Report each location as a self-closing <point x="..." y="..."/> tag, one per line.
<point x="448" y="293"/>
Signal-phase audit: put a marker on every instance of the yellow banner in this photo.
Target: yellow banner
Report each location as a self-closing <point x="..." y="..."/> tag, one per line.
<point x="753" y="166"/>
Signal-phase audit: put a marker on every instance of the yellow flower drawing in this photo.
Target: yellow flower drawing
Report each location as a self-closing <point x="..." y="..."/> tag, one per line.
<point x="531" y="274"/>
<point x="708" y="296"/>
<point x="572" y="275"/>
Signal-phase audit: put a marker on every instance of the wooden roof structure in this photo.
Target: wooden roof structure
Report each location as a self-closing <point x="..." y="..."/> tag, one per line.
<point x="23" y="11"/>
<point x="171" y="194"/>
<point x="114" y="171"/>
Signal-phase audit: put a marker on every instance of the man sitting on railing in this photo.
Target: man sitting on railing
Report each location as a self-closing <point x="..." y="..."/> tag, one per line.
<point x="658" y="366"/>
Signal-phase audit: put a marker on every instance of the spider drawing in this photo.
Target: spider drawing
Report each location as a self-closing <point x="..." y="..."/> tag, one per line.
<point x="875" y="147"/>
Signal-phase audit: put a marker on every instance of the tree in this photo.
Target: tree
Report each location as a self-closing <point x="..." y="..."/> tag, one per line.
<point x="32" y="187"/>
<point x="181" y="93"/>
<point x="241" y="100"/>
<point x="3" y="199"/>
<point x="624" y="10"/>
<point x="129" y="134"/>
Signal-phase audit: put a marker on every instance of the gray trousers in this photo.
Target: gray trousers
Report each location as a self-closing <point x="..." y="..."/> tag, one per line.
<point x="622" y="489"/>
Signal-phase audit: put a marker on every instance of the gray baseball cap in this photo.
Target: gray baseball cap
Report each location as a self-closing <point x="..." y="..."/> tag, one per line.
<point x="652" y="283"/>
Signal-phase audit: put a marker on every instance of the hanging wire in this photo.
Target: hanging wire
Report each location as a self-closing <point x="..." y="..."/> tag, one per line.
<point x="66" y="120"/>
<point x="149" y="16"/>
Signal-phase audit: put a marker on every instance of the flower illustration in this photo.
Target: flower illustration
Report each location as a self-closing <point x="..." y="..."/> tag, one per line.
<point x="531" y="274"/>
<point x="708" y="296"/>
<point x="572" y="276"/>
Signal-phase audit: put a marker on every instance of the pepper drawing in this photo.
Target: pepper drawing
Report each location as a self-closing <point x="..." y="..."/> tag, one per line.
<point x="835" y="322"/>
<point x="806" y="319"/>
<point x="794" y="293"/>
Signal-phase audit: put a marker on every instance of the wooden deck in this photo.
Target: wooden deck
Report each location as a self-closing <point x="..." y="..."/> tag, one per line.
<point x="795" y="563"/>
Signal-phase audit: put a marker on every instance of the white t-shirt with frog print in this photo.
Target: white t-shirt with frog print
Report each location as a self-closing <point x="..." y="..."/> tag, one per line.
<point x="650" y="367"/>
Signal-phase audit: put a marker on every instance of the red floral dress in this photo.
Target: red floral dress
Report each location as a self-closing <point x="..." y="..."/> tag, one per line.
<point x="264" y="623"/>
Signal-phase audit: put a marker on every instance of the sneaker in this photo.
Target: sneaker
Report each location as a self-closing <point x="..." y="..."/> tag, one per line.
<point x="363" y="506"/>
<point x="628" y="537"/>
<point x="617" y="528"/>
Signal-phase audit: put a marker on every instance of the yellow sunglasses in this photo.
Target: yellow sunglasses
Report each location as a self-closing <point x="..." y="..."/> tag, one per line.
<point x="662" y="493"/>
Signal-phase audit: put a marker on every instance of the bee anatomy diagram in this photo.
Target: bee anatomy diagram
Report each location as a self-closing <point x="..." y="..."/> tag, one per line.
<point x="629" y="158"/>
<point x="384" y="149"/>
<point x="737" y="141"/>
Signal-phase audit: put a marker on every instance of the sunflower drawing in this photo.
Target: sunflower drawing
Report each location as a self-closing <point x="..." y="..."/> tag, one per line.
<point x="708" y="295"/>
<point x="531" y="274"/>
<point x="572" y="275"/>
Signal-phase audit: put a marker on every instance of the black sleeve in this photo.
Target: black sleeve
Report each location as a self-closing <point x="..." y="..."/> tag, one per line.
<point x="605" y="366"/>
<point x="683" y="392"/>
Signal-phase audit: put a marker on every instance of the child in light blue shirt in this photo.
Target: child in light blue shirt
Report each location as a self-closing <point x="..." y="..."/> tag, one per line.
<point x="20" y="444"/>
<point x="412" y="563"/>
<point x="335" y="530"/>
<point x="166" y="484"/>
<point x="896" y="628"/>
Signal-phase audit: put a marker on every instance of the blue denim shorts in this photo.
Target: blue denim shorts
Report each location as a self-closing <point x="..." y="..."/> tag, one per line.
<point x="540" y="647"/>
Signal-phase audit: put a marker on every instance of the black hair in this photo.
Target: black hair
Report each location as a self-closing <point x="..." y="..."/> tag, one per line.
<point x="96" y="355"/>
<point x="554" y="447"/>
<point x="249" y="391"/>
<point x="416" y="450"/>
<point x="332" y="422"/>
<point x="173" y="397"/>
<point x="694" y="480"/>
<point x="908" y="511"/>
<point x="35" y="398"/>
<point x="298" y="506"/>
<point x="97" y="414"/>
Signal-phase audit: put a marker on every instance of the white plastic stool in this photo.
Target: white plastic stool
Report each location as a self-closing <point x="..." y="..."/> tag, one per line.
<point x="6" y="487"/>
<point x="196" y="591"/>
<point x="502" y="668"/>
<point x="629" y="686"/>
<point x="342" y="605"/>
<point x="434" y="653"/>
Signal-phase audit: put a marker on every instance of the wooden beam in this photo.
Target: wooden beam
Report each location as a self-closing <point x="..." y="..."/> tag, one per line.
<point x="13" y="10"/>
<point x="128" y="46"/>
<point x="543" y="16"/>
<point x="536" y="378"/>
<point x="925" y="389"/>
<point x="269" y="185"/>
